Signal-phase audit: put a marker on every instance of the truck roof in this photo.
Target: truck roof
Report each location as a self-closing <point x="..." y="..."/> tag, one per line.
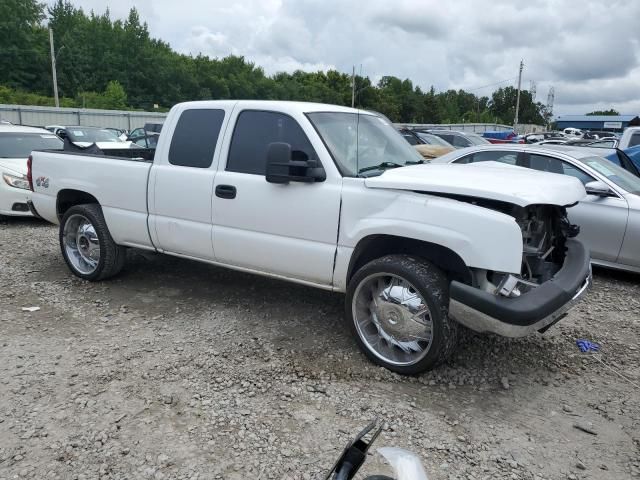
<point x="282" y="105"/>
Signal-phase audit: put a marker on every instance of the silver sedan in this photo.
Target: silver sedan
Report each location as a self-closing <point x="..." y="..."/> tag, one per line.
<point x="609" y="216"/>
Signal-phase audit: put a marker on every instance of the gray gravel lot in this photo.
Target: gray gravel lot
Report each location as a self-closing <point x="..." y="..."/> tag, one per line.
<point x="179" y="370"/>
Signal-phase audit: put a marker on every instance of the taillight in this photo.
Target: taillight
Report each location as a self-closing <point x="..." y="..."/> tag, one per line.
<point x="29" y="175"/>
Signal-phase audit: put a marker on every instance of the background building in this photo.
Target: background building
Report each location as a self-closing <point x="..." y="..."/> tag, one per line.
<point x="611" y="123"/>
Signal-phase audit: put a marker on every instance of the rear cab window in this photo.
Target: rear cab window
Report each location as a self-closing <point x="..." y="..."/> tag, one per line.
<point x="195" y="137"/>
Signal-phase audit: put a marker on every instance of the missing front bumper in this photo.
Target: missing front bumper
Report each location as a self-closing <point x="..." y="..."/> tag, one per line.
<point x="534" y="311"/>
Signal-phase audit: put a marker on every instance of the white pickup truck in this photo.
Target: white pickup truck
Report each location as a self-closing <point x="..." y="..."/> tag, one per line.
<point x="333" y="198"/>
<point x="629" y="138"/>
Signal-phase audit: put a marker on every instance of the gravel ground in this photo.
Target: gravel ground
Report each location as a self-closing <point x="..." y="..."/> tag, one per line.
<point x="179" y="370"/>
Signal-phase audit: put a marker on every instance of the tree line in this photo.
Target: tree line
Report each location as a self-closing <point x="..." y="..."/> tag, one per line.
<point x="107" y="63"/>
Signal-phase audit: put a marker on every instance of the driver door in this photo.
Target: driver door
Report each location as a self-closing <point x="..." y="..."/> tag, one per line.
<point x="287" y="230"/>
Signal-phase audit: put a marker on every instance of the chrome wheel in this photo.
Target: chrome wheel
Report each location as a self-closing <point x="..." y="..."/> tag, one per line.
<point x="81" y="244"/>
<point x="392" y="319"/>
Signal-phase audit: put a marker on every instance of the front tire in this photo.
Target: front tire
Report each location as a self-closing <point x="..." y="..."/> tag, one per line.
<point x="397" y="310"/>
<point x="87" y="246"/>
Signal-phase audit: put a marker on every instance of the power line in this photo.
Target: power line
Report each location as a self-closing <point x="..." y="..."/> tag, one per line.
<point x="490" y="84"/>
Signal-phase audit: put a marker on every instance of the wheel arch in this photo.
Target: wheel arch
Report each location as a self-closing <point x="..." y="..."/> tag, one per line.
<point x="375" y="246"/>
<point x="68" y="198"/>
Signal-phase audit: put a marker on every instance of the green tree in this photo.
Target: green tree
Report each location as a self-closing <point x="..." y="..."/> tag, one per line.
<point x="503" y="106"/>
<point x="23" y="43"/>
<point x="611" y="111"/>
<point x="114" y="96"/>
<point x="111" y="63"/>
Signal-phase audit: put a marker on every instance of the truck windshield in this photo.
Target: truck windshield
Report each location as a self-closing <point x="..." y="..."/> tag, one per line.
<point x="20" y="145"/>
<point x="363" y="144"/>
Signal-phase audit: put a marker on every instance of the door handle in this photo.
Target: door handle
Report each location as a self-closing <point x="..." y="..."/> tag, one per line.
<point x="225" y="191"/>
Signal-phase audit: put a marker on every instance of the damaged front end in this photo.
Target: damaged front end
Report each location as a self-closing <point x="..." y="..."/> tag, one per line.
<point x="545" y="231"/>
<point x="555" y="273"/>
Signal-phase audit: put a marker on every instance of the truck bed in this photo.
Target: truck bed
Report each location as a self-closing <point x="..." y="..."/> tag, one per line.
<point x="118" y="183"/>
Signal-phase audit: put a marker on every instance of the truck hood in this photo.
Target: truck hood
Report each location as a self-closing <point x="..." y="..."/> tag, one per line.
<point x="14" y="165"/>
<point x="490" y="180"/>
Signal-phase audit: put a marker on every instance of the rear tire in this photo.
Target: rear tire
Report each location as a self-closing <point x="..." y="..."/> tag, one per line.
<point x="87" y="246"/>
<point x="397" y="310"/>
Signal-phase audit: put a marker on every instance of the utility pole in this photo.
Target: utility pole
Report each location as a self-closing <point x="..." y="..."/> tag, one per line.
<point x="515" y="121"/>
<point x="550" y="99"/>
<point x="53" y="69"/>
<point x="353" y="87"/>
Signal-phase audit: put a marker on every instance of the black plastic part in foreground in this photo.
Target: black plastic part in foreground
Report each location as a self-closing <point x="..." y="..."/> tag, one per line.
<point x="537" y="304"/>
<point x="355" y="453"/>
<point x="32" y="209"/>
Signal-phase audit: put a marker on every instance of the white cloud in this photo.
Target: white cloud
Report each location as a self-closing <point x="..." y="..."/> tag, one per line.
<point x="587" y="50"/>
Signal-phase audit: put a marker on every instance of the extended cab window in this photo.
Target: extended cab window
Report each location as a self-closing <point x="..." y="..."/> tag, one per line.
<point x="255" y="130"/>
<point x="195" y="137"/>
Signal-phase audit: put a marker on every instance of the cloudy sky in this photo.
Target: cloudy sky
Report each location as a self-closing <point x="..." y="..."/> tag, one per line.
<point x="588" y="50"/>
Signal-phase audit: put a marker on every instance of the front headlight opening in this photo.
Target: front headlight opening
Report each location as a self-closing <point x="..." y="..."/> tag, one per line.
<point x="15" y="181"/>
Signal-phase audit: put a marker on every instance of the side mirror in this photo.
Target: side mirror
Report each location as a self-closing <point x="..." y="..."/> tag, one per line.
<point x="282" y="169"/>
<point x="62" y="134"/>
<point x="598" y="188"/>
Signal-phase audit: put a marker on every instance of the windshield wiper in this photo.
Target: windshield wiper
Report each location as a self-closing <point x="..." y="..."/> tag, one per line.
<point x="380" y="166"/>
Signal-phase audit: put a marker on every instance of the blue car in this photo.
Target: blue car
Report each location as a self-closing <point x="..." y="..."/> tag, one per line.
<point x="628" y="159"/>
<point x="633" y="153"/>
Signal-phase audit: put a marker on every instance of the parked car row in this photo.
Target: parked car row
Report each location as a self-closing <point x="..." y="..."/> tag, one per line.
<point x="109" y="138"/>
<point x="442" y="137"/>
<point x="570" y="135"/>
<point x="81" y="136"/>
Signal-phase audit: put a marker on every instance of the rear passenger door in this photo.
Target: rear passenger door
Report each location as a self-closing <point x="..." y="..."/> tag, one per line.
<point x="281" y="229"/>
<point x="181" y="181"/>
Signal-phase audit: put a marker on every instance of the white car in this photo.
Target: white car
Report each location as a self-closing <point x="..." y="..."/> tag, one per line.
<point x="16" y="144"/>
<point x="609" y="216"/>
<point x="334" y="198"/>
<point x="571" y="132"/>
